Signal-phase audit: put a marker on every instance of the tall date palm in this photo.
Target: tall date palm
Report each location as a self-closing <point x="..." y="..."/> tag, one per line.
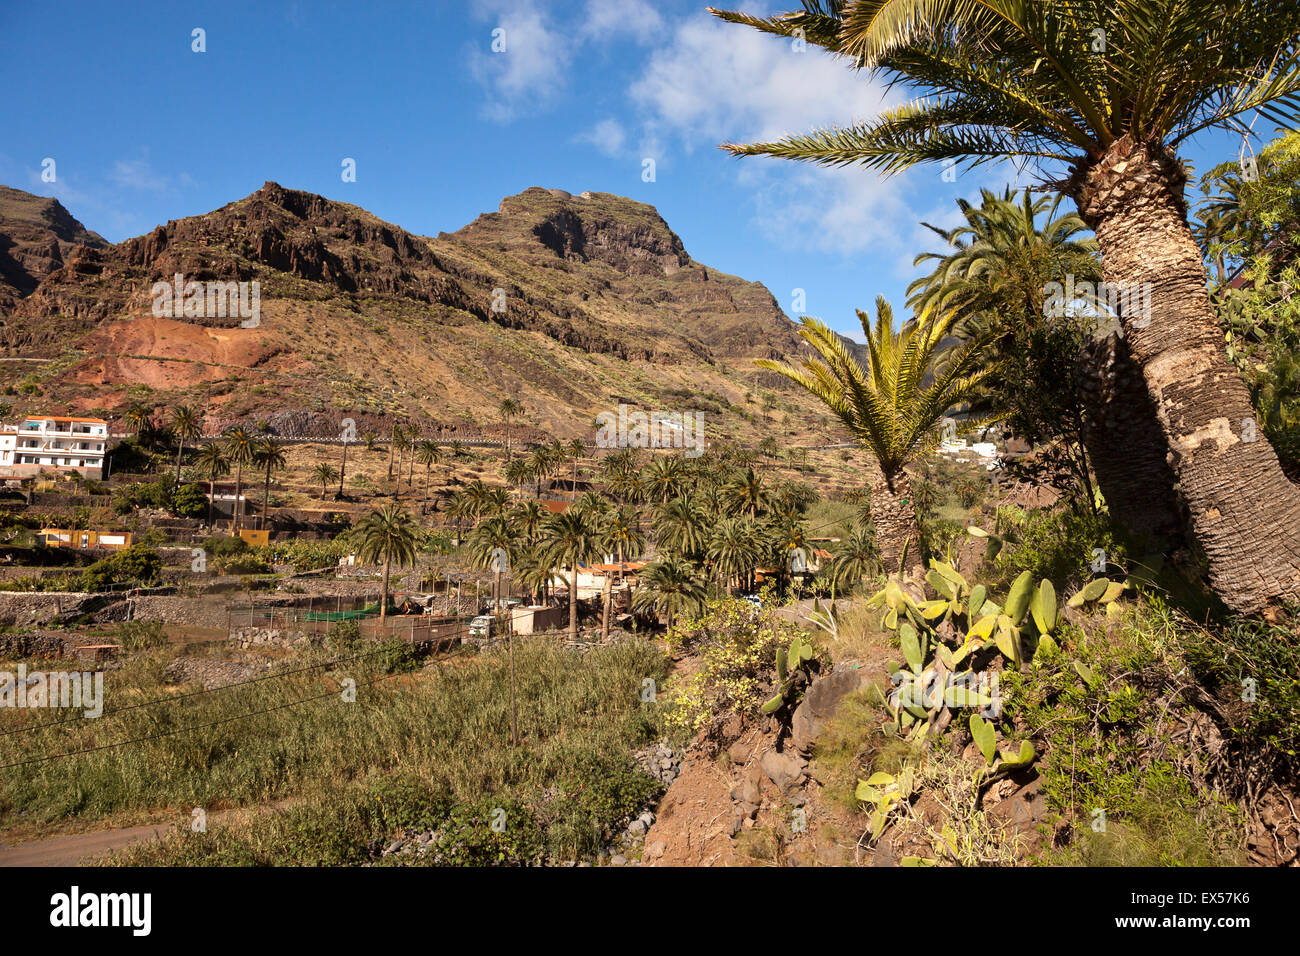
<point x="1104" y="93"/>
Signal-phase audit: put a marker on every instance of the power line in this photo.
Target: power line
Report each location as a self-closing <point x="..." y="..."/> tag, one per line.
<point x="198" y="693"/>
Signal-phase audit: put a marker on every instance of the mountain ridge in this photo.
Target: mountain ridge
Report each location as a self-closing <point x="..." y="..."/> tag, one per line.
<point x="565" y="300"/>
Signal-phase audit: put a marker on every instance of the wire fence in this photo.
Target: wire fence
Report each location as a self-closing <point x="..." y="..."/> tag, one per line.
<point x="413" y="629"/>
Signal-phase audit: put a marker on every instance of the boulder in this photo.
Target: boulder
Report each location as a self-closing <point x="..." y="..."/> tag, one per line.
<point x="820" y="702"/>
<point x="785" y="770"/>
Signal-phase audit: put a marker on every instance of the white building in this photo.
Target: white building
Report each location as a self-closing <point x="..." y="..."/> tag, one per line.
<point x="53" y="443"/>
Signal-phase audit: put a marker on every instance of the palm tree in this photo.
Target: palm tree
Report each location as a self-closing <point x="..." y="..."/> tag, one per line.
<point x="187" y="425"/>
<point x="747" y="493"/>
<point x="516" y="472"/>
<point x="888" y="406"/>
<point x="541" y="464"/>
<point x="325" y="473"/>
<point x="212" y="463"/>
<point x="528" y="519"/>
<point x="591" y="505"/>
<point x="576" y="449"/>
<point x="387" y="534"/>
<point x="996" y="273"/>
<point x="1107" y="97"/>
<point x="428" y="455"/>
<point x="495" y="501"/>
<point x="665" y="478"/>
<point x="140" y="417"/>
<point x="413" y="440"/>
<point x="396" y="435"/>
<point x="669" y="587"/>
<point x="624" y="537"/>
<point x="570" y="539"/>
<point x="509" y="409"/>
<point x="268" y="454"/>
<point x="343" y="464"/>
<point x="240" y="445"/>
<point x="853" y="558"/>
<point x="1002" y="259"/>
<point x="680" y="527"/>
<point x="532" y="570"/>
<point x="492" y="544"/>
<point x="623" y="531"/>
<point x="627" y="484"/>
<point x="463" y="510"/>
<point x="734" y="550"/>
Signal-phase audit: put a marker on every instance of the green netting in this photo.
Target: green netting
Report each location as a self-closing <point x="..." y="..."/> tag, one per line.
<point x="371" y="610"/>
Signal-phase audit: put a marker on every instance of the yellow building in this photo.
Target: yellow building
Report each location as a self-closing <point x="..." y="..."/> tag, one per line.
<point x="67" y="538"/>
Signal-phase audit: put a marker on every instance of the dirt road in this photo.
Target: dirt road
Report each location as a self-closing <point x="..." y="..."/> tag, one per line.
<point x="76" y="848"/>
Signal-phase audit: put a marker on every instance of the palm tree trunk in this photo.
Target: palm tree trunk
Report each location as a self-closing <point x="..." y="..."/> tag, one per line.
<point x="383" y="598"/>
<point x="239" y="483"/>
<point x="179" y="452"/>
<point x="609" y="599"/>
<point x="392" y="449"/>
<point x="1245" y="512"/>
<point x="212" y="484"/>
<point x="898" y="536"/>
<point x="1127" y="449"/>
<point x="573" y="602"/>
<point x="343" y="468"/>
<point x="266" y="497"/>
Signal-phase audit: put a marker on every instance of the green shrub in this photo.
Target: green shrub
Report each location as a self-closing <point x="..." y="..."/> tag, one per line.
<point x="1111" y="749"/>
<point x="189" y="501"/>
<point x="137" y="565"/>
<point x="1060" y="545"/>
<point x="737" y="645"/>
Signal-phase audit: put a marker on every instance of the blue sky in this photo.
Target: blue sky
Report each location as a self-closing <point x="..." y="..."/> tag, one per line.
<point x="143" y="129"/>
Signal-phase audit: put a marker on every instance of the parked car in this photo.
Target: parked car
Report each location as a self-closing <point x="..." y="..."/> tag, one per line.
<point x="481" y="627"/>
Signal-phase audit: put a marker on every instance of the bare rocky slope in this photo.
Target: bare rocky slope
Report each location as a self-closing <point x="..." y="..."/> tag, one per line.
<point x="36" y="234"/>
<point x="569" y="303"/>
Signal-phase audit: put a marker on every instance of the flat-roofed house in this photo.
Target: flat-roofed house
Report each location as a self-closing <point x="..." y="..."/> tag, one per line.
<point x="54" y="443"/>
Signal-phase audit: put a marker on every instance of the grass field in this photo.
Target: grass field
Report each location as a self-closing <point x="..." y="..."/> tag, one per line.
<point x="435" y="741"/>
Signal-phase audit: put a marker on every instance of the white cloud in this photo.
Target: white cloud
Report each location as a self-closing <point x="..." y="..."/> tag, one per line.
<point x="608" y="136"/>
<point x="140" y="174"/>
<point x="608" y="19"/>
<point x="529" y="68"/>
<point x="713" y="82"/>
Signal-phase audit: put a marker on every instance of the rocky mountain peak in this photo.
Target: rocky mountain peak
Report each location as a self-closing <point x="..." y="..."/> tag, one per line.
<point x="631" y="236"/>
<point x="37" y="235"/>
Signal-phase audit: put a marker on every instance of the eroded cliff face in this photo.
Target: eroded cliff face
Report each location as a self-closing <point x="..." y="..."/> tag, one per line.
<point x="564" y="298"/>
<point x="37" y="235"/>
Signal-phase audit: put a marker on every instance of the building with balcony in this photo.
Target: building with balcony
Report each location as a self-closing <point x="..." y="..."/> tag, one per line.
<point x="54" y="444"/>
